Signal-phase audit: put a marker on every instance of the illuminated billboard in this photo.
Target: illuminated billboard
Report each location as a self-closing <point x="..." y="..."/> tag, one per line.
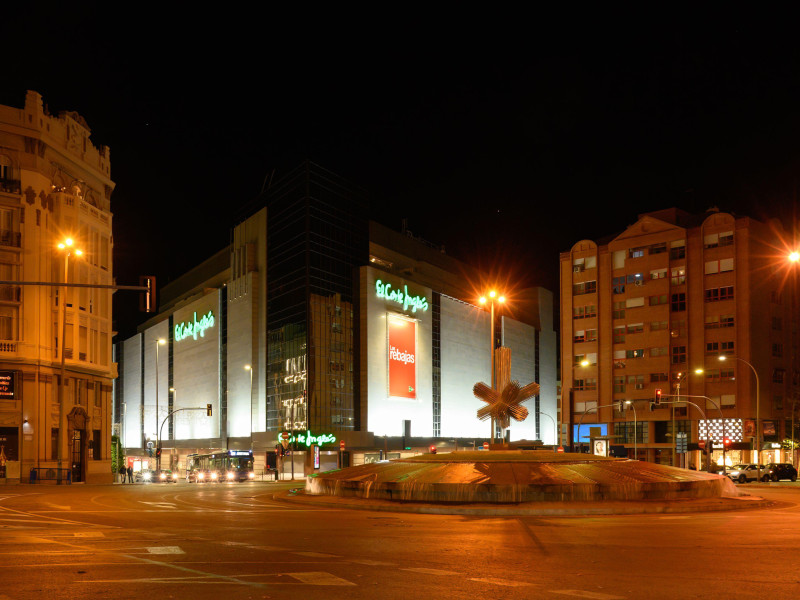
<point x="402" y="352"/>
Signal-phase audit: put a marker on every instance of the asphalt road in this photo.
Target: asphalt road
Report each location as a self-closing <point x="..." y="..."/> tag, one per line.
<point x="235" y="541"/>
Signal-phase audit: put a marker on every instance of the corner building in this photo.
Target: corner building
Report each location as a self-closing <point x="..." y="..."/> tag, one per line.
<point x="310" y="295"/>
<point x="654" y="308"/>
<point x="54" y="183"/>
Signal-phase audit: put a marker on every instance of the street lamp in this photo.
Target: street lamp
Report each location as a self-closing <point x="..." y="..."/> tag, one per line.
<point x="708" y="424"/>
<point x="635" y="449"/>
<point x="491" y="300"/>
<point x="249" y="368"/>
<point x="159" y="342"/>
<point x="67" y="249"/>
<point x="724" y="357"/>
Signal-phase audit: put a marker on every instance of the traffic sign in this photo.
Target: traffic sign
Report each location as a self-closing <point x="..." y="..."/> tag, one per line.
<point x="285" y="435"/>
<point x="560" y="449"/>
<point x="485" y="445"/>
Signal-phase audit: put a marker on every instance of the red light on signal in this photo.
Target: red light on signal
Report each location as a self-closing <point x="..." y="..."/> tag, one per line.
<point x="433" y="449"/>
<point x="658" y="396"/>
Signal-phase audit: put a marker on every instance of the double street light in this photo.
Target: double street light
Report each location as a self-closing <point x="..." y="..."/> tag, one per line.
<point x="67" y="247"/>
<point x="491" y="298"/>
<point x="159" y="342"/>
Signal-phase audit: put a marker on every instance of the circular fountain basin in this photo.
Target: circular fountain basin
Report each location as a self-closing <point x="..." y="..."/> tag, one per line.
<point x="516" y="476"/>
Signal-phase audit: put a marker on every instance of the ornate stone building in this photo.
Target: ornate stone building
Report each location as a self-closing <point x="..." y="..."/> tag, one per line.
<point x="54" y="184"/>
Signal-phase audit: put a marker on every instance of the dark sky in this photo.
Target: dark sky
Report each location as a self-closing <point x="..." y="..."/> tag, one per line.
<point x="507" y="137"/>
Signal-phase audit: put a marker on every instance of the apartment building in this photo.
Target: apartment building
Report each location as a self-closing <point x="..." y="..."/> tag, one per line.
<point x="699" y="307"/>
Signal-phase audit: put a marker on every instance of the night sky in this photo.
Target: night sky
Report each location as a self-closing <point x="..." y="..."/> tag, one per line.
<point x="505" y="137"/>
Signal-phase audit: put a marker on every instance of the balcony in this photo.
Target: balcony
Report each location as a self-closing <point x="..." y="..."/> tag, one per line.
<point x="10" y="238"/>
<point x="10" y="186"/>
<point x="10" y="293"/>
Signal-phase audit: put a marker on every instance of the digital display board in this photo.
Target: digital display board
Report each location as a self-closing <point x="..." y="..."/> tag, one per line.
<point x="6" y="384"/>
<point x="402" y="350"/>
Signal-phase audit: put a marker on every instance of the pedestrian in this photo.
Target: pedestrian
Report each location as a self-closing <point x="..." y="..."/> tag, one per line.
<point x="130" y="475"/>
<point x="122" y="472"/>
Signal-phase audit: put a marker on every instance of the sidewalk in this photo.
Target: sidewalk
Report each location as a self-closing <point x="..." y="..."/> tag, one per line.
<point x="637" y="507"/>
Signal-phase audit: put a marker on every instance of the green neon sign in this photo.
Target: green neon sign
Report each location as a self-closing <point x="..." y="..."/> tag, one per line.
<point x="385" y="291"/>
<point x="310" y="439"/>
<point x="194" y="327"/>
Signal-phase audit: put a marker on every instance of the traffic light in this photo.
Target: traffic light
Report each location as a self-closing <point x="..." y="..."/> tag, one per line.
<point x="726" y="442"/>
<point x="208" y="409"/>
<point x="433" y="449"/>
<point x="158" y="452"/>
<point x="657" y="400"/>
<point x="147" y="299"/>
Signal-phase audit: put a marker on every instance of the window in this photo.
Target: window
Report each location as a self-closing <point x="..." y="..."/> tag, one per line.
<point x="777" y="350"/>
<point x="636" y="328"/>
<point x="678" y="302"/>
<point x="636" y="252"/>
<point x="580" y="336"/>
<point x="677" y="328"/>
<point x="619" y="310"/>
<point x="636" y="381"/>
<point x="726" y="347"/>
<point x="678" y="355"/>
<point x="712" y="375"/>
<point x="658" y="325"/>
<point x="584" y="312"/>
<point x="721" y="293"/>
<point x="727" y="401"/>
<point x="659" y="351"/>
<point x="658" y="248"/>
<point x="656" y="300"/>
<point x="726" y="374"/>
<point x="585" y="287"/>
<point x="677" y="249"/>
<point x="712" y="322"/>
<point x="619" y="359"/>
<point x="719" y="266"/>
<point x="777" y="402"/>
<point x="777" y="323"/>
<point x="578" y="265"/>
<point x="634" y="302"/>
<point x="726" y="321"/>
<point x="619" y="334"/>
<point x="777" y="375"/>
<point x="678" y="276"/>
<point x="711" y="240"/>
<point x="726" y="238"/>
<point x="590" y="358"/>
<point x="618" y="259"/>
<point x="658" y="377"/>
<point x="585" y="384"/>
<point x="712" y="348"/>
<point x="619" y="384"/>
<point x="618" y="285"/>
<point x="658" y="274"/>
<point x="634" y="353"/>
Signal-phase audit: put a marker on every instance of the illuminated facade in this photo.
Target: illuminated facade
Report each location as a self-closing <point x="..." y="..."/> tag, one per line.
<point x="54" y="183"/>
<point x="666" y="297"/>
<point x="350" y="331"/>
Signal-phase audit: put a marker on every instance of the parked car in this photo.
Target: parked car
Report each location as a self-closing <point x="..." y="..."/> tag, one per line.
<point x="778" y="471"/>
<point x="746" y="472"/>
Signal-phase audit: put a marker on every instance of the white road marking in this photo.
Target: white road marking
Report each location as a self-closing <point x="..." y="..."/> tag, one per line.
<point x="159" y="504"/>
<point x="505" y="582"/>
<point x="585" y="594"/>
<point x="165" y="550"/>
<point x="319" y="578"/>
<point x="269" y="548"/>
<point x="431" y="571"/>
<point x="372" y="563"/>
<point x="89" y="534"/>
<point x="316" y="555"/>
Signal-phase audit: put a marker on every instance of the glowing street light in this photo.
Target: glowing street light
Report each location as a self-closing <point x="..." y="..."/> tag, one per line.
<point x="491" y="300"/>
<point x="67" y="249"/>
<point x="159" y="342"/>
<point x="723" y="357"/>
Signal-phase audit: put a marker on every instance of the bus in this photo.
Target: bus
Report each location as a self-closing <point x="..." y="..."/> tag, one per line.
<point x="225" y="465"/>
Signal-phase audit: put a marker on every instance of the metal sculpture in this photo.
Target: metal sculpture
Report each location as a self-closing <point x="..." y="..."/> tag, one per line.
<point x="502" y="406"/>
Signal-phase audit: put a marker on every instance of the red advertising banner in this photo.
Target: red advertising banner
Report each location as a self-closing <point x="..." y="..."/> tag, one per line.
<point x="402" y="358"/>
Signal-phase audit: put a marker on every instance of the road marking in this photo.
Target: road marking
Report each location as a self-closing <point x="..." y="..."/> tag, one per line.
<point x="319" y="578"/>
<point x="316" y="555"/>
<point x="89" y="534"/>
<point x="372" y="563"/>
<point x="585" y="594"/>
<point x="269" y="548"/>
<point x="431" y="571"/>
<point x="505" y="582"/>
<point x="165" y="550"/>
<point x="159" y="504"/>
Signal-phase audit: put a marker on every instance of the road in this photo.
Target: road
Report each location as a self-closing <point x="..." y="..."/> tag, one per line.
<point x="235" y="541"/>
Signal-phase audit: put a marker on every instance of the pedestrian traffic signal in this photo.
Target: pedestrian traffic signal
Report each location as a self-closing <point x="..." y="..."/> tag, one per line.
<point x="657" y="400"/>
<point x="433" y="449"/>
<point x="208" y="409"/>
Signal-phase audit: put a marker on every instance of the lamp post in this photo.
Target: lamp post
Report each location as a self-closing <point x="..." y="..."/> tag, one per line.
<point x="66" y="247"/>
<point x="249" y="368"/>
<point x="159" y="342"/>
<point x="635" y="449"/>
<point x="555" y="427"/>
<point x="723" y="357"/>
<point x="491" y="299"/>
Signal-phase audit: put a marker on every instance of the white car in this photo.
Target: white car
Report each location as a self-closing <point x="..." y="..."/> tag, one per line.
<point x="746" y="472"/>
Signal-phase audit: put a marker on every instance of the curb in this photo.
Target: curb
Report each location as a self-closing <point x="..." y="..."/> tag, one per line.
<point x="638" y="507"/>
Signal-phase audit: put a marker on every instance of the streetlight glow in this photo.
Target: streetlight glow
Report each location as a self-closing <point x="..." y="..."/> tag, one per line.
<point x="794" y="256"/>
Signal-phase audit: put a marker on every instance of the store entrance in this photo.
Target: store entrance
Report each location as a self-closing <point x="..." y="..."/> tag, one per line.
<point x="78" y="455"/>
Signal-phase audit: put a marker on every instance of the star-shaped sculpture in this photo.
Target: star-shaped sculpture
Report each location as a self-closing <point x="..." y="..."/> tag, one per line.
<point x="501" y="406"/>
